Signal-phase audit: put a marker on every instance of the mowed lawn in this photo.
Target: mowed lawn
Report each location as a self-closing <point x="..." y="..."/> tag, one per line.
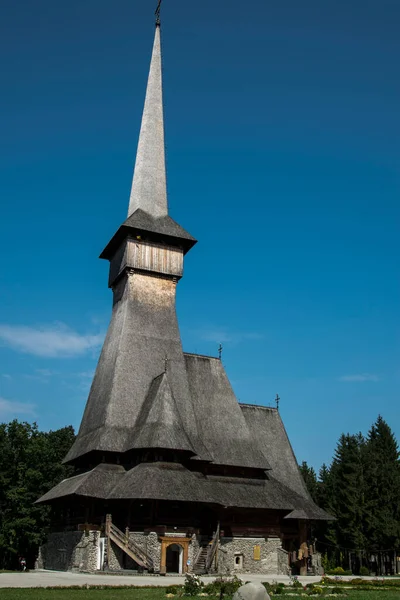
<point x="157" y="594"/>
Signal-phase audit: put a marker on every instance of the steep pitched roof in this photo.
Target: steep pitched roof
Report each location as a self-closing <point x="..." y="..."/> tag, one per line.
<point x="267" y="428"/>
<point x="140" y="335"/>
<point x="221" y="424"/>
<point x="159" y="424"/>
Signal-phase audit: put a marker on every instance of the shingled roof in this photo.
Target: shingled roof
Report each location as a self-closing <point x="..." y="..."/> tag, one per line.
<point x="159" y="424"/>
<point x="233" y="434"/>
<point x="141" y="334"/>
<point x="97" y="483"/>
<point x="221" y="424"/>
<point x="159" y="229"/>
<point x="174" y="482"/>
<point x="267" y="428"/>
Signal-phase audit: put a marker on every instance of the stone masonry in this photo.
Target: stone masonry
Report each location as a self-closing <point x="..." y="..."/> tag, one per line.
<point x="194" y="548"/>
<point x="240" y="555"/>
<point x="70" y="551"/>
<point x="79" y="551"/>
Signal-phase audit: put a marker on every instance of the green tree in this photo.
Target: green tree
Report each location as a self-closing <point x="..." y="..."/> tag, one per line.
<point x="30" y="464"/>
<point x="324" y="498"/>
<point x="310" y="479"/>
<point x="382" y="475"/>
<point x="345" y="493"/>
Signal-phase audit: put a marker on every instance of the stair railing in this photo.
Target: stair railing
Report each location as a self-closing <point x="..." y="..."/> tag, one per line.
<point x="212" y="549"/>
<point x="127" y="545"/>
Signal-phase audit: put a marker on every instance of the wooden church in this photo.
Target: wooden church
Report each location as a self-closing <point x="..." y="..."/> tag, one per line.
<point x="174" y="475"/>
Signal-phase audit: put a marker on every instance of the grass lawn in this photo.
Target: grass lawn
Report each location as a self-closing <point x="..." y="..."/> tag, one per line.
<point x="107" y="594"/>
<point x="157" y="594"/>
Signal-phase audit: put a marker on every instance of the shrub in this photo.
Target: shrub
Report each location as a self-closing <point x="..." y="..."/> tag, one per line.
<point x="336" y="571"/>
<point x="314" y="590"/>
<point x="339" y="571"/>
<point x="278" y="590"/>
<point x="173" y="589"/>
<point x="328" y="563"/>
<point x="318" y="590"/>
<point x="364" y="571"/>
<point x="192" y="585"/>
<point x="336" y="581"/>
<point x="223" y="587"/>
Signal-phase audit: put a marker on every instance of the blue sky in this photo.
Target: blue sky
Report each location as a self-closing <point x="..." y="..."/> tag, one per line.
<point x="283" y="131"/>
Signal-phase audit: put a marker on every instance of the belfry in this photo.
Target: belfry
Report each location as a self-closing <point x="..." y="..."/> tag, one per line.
<point x="173" y="474"/>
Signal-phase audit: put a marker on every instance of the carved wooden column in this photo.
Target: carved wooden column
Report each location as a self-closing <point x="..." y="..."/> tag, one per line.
<point x="163" y="564"/>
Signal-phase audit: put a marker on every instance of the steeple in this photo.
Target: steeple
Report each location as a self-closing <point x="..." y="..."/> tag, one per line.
<point x="146" y="262"/>
<point x="149" y="186"/>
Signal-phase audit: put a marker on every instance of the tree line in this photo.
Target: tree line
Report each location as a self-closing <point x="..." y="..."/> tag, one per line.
<point x="30" y="464"/>
<point x="361" y="488"/>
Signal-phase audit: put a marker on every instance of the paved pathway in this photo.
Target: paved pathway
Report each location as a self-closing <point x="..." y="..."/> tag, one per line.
<point x="62" y="578"/>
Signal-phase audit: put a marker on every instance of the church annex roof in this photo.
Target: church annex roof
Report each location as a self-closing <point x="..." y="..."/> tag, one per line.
<point x="221" y="424"/>
<point x="266" y="426"/>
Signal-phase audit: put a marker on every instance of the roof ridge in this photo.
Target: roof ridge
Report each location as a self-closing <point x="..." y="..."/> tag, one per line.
<point x="258" y="406"/>
<point x="200" y="355"/>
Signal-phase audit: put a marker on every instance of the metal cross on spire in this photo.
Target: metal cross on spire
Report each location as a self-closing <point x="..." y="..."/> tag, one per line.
<point x="277" y="399"/>
<point x="157" y="13"/>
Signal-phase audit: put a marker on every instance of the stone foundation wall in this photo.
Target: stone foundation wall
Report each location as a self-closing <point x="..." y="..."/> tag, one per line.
<point x="194" y="548"/>
<point x="70" y="551"/>
<point x="273" y="560"/>
<point x="115" y="557"/>
<point x="79" y="551"/>
<point x="283" y="562"/>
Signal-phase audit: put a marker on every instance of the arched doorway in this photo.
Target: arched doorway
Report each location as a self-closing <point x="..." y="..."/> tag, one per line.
<point x="174" y="559"/>
<point x="181" y="542"/>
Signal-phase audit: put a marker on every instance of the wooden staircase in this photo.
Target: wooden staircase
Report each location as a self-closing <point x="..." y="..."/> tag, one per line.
<point x="204" y="560"/>
<point x="127" y="545"/>
<point x="200" y="563"/>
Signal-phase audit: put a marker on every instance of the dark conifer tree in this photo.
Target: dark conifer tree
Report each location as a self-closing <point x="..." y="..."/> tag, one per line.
<point x="382" y="502"/>
<point x="310" y="479"/>
<point x="348" y="491"/>
<point x="324" y="488"/>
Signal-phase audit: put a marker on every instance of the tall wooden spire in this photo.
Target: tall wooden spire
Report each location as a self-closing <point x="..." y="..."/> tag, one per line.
<point x="149" y="186"/>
